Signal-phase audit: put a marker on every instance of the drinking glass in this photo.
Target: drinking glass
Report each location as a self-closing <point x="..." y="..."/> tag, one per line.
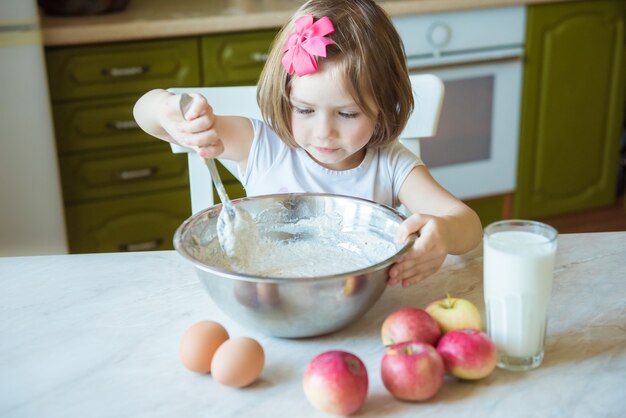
<point x="518" y="271"/>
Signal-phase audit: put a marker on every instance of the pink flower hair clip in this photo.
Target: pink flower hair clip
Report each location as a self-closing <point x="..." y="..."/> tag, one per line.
<point x="305" y="43"/>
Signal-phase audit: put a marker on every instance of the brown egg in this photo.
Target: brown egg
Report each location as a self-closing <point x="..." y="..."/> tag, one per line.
<point x="199" y="343"/>
<point x="238" y="362"/>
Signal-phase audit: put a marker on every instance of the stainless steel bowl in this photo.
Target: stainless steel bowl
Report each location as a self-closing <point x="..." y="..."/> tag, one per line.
<point x="294" y="307"/>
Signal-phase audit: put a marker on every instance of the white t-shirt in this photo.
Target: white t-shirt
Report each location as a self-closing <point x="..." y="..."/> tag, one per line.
<point x="273" y="167"/>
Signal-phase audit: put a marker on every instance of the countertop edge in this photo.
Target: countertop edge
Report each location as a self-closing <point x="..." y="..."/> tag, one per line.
<point x="73" y="31"/>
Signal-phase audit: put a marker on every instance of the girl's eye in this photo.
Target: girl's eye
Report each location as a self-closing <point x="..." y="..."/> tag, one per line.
<point x="348" y="115"/>
<point x="302" y="111"/>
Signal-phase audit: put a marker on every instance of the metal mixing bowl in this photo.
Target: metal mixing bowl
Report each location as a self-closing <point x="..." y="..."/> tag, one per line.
<point x="294" y="307"/>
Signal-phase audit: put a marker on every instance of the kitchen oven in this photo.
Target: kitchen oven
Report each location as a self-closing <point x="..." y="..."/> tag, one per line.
<point x="478" y="55"/>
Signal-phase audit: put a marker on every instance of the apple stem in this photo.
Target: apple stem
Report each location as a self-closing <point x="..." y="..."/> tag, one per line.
<point x="449" y="301"/>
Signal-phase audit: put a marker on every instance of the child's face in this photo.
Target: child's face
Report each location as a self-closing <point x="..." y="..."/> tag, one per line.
<point x="326" y="122"/>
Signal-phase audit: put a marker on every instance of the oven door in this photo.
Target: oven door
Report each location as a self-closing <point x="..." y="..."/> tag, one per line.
<point x="474" y="153"/>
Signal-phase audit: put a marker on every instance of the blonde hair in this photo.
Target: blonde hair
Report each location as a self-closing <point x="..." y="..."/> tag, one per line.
<point x="368" y="52"/>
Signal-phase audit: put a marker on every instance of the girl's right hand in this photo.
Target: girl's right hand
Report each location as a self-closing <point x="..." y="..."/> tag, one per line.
<point x="198" y="130"/>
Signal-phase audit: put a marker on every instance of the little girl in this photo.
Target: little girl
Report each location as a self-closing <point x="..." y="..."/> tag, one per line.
<point x="335" y="95"/>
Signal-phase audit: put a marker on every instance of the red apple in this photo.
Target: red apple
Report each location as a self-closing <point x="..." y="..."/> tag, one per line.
<point x="412" y="371"/>
<point x="468" y="353"/>
<point x="410" y="324"/>
<point x="454" y="313"/>
<point x="336" y="382"/>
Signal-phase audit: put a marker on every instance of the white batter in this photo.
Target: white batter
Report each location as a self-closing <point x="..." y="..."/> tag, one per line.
<point x="309" y="248"/>
<point x="237" y="234"/>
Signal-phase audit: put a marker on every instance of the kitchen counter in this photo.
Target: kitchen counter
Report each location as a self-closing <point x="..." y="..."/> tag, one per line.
<point x="97" y="335"/>
<point x="151" y="19"/>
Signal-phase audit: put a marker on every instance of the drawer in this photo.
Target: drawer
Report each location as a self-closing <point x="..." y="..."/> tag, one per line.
<point x="122" y="173"/>
<point x="122" y="68"/>
<point x="99" y="124"/>
<point x="140" y="223"/>
<point x="235" y="59"/>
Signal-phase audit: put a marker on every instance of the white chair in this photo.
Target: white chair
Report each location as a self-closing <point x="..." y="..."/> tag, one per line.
<point x="428" y="92"/>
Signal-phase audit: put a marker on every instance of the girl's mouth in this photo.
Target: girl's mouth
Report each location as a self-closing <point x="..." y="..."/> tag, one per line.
<point x="325" y="150"/>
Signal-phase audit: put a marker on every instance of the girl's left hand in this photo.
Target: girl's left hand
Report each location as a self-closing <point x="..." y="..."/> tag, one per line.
<point x="427" y="253"/>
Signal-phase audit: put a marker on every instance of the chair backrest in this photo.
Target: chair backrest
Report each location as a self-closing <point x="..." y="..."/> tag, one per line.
<point x="428" y="92"/>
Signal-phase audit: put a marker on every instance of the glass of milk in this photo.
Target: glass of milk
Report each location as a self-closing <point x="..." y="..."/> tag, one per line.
<point x="518" y="270"/>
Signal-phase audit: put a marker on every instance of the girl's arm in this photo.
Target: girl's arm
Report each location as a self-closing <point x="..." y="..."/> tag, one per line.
<point x="421" y="194"/>
<point x="157" y="112"/>
<point x="444" y="225"/>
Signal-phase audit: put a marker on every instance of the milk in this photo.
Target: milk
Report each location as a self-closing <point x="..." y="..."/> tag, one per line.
<point x="518" y="270"/>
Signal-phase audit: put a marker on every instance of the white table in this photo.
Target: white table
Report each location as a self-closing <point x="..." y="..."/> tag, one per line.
<point x="97" y="336"/>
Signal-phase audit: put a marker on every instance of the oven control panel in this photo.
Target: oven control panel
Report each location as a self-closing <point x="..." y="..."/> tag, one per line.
<point x="438" y="35"/>
<point x="449" y="34"/>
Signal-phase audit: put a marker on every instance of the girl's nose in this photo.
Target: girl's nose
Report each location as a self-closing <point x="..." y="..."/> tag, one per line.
<point x="325" y="127"/>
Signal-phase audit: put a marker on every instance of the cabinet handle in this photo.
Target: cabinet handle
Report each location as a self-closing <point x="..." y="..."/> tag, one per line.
<point x="141" y="246"/>
<point x="122" y="125"/>
<point x="259" y="56"/>
<point x="140" y="173"/>
<point x="125" y="71"/>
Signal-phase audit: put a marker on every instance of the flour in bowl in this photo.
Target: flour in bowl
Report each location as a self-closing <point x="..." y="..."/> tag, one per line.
<point x="308" y="248"/>
<point x="238" y="234"/>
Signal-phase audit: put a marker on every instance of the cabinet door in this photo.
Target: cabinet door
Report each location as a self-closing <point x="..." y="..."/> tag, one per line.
<point x="572" y="107"/>
<point x="490" y="209"/>
<point x="140" y="223"/>
<point x="124" y="68"/>
<point x="123" y="172"/>
<point x="97" y="124"/>
<point x="235" y="59"/>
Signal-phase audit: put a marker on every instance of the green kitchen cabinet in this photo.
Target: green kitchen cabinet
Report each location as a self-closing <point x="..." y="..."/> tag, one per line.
<point x="122" y="172"/>
<point x="235" y="59"/>
<point x="124" y="190"/>
<point x="572" y="107"/>
<point x="489" y="209"/>
<point x="97" y="124"/>
<point x="136" y="223"/>
<point x="115" y="69"/>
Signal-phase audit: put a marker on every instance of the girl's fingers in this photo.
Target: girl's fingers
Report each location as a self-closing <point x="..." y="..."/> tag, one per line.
<point x="421" y="270"/>
<point x="198" y="107"/>
<point x="422" y="248"/>
<point x="425" y="257"/>
<point x="210" y="151"/>
<point x="172" y="107"/>
<point x="412" y="224"/>
<point x="413" y="268"/>
<point x="201" y="139"/>
<point x="200" y="124"/>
